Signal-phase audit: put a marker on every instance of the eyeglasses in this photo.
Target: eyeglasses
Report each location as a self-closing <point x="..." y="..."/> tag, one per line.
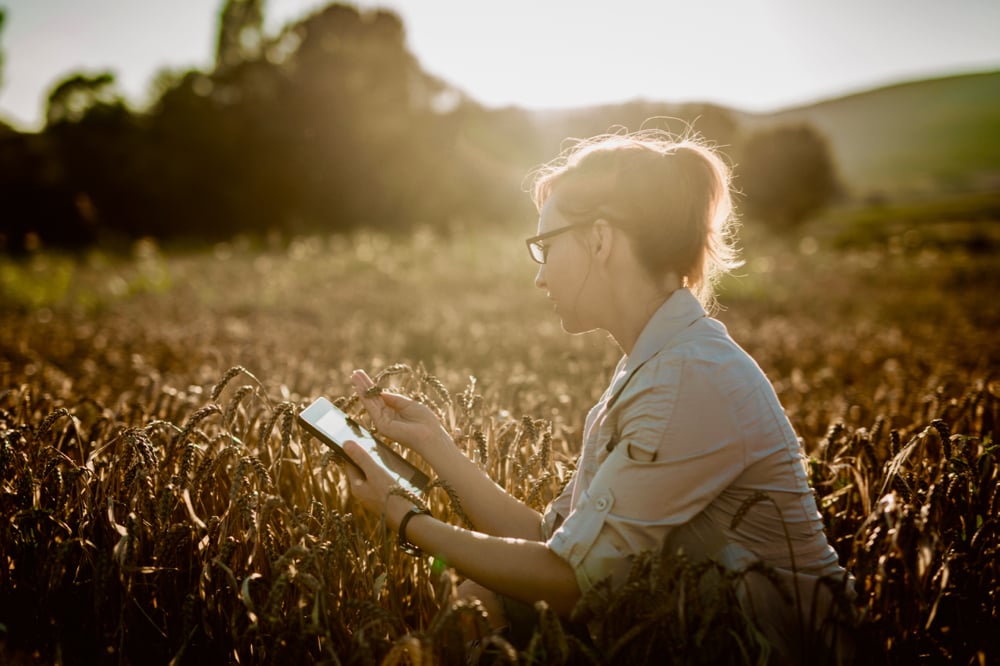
<point x="538" y="250"/>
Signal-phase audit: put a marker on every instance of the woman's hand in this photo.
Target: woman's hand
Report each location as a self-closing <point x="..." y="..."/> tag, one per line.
<point x="489" y="507"/>
<point x="397" y="417"/>
<point x="374" y="487"/>
<point x="523" y="568"/>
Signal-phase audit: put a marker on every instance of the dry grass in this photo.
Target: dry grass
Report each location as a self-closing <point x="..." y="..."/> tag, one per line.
<point x="160" y="505"/>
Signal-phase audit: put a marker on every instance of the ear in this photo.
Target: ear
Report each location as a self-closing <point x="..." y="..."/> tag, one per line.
<point x="601" y="240"/>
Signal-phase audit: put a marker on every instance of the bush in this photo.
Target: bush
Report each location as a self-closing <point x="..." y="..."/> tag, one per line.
<point x="787" y="174"/>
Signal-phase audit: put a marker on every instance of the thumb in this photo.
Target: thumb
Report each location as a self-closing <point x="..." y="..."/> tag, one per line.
<point x="360" y="458"/>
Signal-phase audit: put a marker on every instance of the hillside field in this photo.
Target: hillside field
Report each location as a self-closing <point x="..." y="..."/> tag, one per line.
<point x="160" y="505"/>
<point x="911" y="139"/>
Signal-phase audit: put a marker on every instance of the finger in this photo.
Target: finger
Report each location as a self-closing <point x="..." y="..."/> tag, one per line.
<point x="395" y="401"/>
<point x="362" y="382"/>
<point x="360" y="373"/>
<point x="363" y="386"/>
<point x="355" y="479"/>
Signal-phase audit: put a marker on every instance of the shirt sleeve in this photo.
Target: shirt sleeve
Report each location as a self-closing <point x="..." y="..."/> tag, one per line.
<point x="557" y="510"/>
<point x="676" y="451"/>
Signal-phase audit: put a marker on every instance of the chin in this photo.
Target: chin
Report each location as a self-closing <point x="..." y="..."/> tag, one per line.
<point x="573" y="321"/>
<point x="575" y="327"/>
<point x="568" y="329"/>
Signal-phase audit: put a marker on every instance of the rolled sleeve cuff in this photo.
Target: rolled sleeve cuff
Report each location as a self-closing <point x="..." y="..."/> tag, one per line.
<point x="577" y="540"/>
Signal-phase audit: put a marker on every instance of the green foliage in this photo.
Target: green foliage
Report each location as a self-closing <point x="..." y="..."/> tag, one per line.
<point x="911" y="139"/>
<point x="79" y="95"/>
<point x="786" y="174"/>
<point x="958" y="222"/>
<point x="2" y="17"/>
<point x="241" y="34"/>
<point x="328" y="125"/>
<point x="332" y="124"/>
<point x="50" y="280"/>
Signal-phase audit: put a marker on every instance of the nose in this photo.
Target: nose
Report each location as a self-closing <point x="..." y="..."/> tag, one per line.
<point x="540" y="277"/>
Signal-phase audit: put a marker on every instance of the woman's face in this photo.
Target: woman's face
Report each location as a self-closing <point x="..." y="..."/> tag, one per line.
<point x="566" y="272"/>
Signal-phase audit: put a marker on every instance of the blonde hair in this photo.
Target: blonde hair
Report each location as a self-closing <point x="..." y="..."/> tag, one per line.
<point x="670" y="195"/>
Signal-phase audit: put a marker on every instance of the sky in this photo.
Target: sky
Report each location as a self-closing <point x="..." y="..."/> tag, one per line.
<point x="754" y="55"/>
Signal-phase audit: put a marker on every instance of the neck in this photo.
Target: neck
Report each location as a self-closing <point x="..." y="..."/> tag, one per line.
<point x="634" y="307"/>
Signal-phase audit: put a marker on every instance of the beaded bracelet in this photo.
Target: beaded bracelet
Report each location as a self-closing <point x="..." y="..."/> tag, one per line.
<point x="404" y="543"/>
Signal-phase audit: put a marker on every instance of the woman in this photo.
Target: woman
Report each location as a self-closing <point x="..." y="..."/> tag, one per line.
<point x="632" y="233"/>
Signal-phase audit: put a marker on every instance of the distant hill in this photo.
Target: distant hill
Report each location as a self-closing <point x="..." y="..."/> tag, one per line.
<point x="909" y="139"/>
<point x="938" y="134"/>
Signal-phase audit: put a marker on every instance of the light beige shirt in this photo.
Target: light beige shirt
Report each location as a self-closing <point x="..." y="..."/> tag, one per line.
<point x="687" y="431"/>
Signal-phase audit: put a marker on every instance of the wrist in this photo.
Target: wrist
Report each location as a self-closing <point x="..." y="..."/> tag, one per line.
<point x="402" y="540"/>
<point x="438" y="447"/>
<point x="396" y="507"/>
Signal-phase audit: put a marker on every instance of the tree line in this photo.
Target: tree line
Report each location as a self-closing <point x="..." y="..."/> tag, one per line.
<point x="328" y="125"/>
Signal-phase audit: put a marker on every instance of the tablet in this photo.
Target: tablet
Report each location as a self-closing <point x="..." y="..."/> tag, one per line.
<point x="330" y="425"/>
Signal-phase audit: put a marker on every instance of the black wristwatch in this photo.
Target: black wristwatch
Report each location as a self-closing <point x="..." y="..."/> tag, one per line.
<point x="404" y="543"/>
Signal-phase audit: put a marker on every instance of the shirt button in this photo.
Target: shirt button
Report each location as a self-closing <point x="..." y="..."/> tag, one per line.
<point x="601" y="504"/>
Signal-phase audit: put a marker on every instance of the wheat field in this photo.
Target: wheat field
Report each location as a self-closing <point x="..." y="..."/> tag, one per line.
<point x="161" y="505"/>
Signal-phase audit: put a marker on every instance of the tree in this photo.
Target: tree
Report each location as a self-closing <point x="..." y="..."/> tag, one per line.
<point x="329" y="125"/>
<point x="93" y="147"/>
<point x="241" y="32"/>
<point x="786" y="174"/>
<point x="74" y="97"/>
<point x="2" y="16"/>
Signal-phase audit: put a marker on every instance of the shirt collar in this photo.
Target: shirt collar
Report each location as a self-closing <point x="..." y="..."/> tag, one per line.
<point x="680" y="310"/>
